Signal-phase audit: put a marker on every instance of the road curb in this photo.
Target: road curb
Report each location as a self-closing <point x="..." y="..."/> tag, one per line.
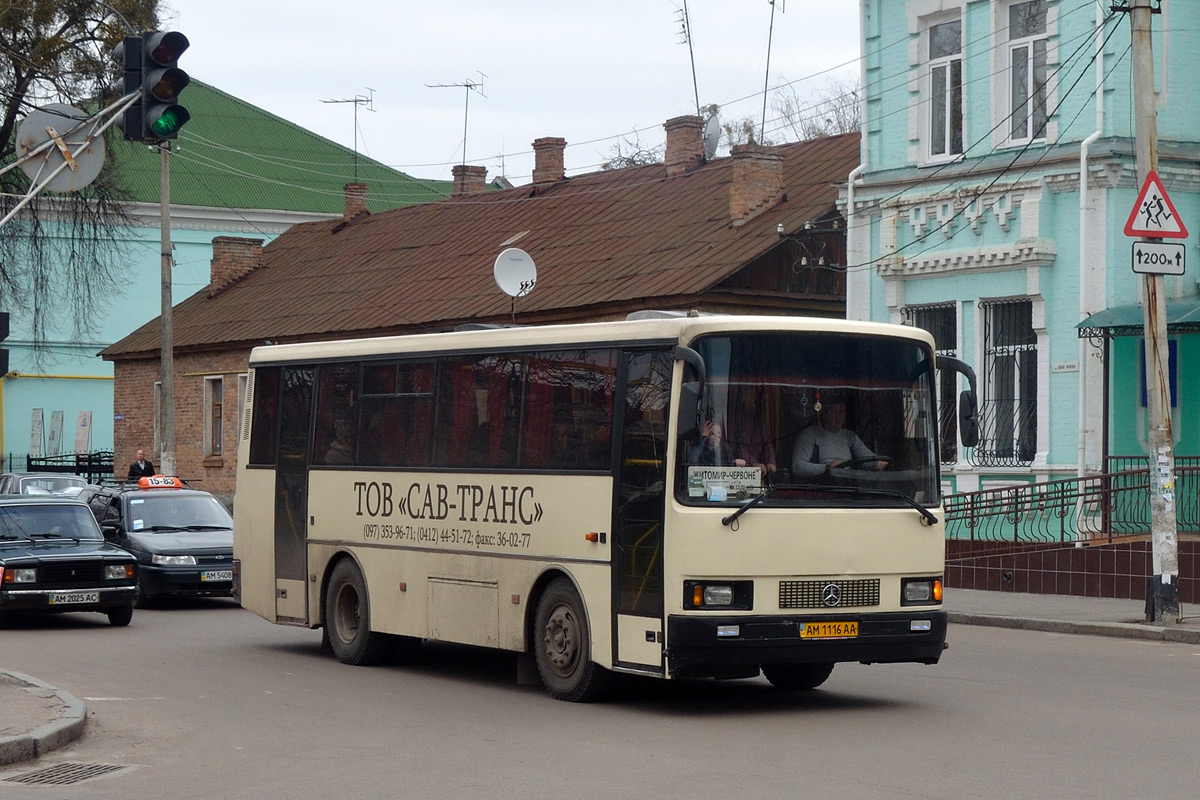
<point x="50" y="736"/>
<point x="1125" y="630"/>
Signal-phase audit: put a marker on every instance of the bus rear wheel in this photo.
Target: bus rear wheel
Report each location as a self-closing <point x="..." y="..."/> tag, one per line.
<point x="796" y="677"/>
<point x="563" y="647"/>
<point x="348" y="618"/>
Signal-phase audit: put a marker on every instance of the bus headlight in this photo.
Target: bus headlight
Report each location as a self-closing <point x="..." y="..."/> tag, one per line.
<point x="920" y="591"/>
<point x="718" y="594"/>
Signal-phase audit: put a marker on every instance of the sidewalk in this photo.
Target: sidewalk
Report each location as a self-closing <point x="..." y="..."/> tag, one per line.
<point x="38" y="718"/>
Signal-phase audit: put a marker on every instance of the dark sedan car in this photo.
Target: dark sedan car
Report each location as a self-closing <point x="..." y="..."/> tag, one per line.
<point x="182" y="538"/>
<point x="53" y="558"/>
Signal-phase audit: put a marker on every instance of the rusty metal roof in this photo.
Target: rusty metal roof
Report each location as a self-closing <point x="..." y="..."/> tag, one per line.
<point x="607" y="239"/>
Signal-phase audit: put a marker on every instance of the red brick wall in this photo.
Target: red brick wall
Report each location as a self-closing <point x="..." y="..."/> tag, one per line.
<point x="1119" y="570"/>
<point x="133" y="390"/>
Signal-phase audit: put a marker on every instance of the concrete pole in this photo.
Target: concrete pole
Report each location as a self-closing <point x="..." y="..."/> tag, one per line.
<point x="1163" y="602"/>
<point x="166" y="407"/>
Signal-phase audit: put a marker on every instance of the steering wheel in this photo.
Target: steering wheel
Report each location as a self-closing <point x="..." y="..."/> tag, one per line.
<point x="855" y="463"/>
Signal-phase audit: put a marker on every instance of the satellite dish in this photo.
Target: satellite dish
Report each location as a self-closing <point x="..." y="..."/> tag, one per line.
<point x="62" y="119"/>
<point x="515" y="272"/>
<point x="712" y="136"/>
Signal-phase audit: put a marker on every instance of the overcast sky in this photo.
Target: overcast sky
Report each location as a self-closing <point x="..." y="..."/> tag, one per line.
<point x="589" y="72"/>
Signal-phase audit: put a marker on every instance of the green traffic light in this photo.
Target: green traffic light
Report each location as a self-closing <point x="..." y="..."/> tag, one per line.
<point x="170" y="121"/>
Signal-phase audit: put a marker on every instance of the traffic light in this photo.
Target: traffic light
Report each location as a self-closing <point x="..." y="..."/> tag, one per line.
<point x="3" y="336"/>
<point x="149" y="61"/>
<point x="162" y="82"/>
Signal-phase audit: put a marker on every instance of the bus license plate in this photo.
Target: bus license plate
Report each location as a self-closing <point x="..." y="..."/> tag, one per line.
<point x="73" y="598"/>
<point x="216" y="575"/>
<point x="829" y="630"/>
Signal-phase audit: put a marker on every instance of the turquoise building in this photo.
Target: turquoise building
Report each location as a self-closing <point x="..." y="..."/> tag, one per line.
<point x="998" y="172"/>
<point x="235" y="170"/>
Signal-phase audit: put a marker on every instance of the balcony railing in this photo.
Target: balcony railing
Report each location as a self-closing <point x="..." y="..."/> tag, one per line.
<point x="1110" y="505"/>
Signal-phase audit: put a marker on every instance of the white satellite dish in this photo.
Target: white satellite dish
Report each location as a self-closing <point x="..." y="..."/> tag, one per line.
<point x="515" y="272"/>
<point x="712" y="136"/>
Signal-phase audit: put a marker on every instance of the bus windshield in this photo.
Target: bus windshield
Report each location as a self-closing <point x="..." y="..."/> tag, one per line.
<point x="813" y="410"/>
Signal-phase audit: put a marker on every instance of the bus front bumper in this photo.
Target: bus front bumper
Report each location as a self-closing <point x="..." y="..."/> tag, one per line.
<point x="702" y="645"/>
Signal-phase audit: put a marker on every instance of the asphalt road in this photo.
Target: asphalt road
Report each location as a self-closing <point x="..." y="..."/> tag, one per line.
<point x="205" y="700"/>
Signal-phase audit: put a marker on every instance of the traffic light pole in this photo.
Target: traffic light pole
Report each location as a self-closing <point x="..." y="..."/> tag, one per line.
<point x="1162" y="604"/>
<point x="166" y="406"/>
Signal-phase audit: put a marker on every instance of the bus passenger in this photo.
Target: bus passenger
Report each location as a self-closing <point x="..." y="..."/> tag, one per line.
<point x="712" y="450"/>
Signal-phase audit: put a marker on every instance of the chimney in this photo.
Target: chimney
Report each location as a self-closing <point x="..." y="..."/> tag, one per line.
<point x="468" y="180"/>
<point x="685" y="144"/>
<point x="356" y="201"/>
<point x="233" y="257"/>
<point x="757" y="181"/>
<point x="548" y="159"/>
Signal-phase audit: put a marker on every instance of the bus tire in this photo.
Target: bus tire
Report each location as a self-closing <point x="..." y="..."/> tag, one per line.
<point x="348" y="618"/>
<point x="563" y="647"/>
<point x="796" y="677"/>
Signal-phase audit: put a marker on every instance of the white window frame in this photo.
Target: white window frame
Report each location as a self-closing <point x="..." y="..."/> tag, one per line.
<point x="1026" y="49"/>
<point x="214" y="424"/>
<point x="942" y="101"/>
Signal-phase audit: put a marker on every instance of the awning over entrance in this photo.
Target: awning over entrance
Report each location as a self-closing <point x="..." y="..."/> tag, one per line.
<point x="1183" y="316"/>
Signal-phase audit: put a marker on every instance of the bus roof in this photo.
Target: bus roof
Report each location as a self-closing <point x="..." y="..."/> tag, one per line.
<point x="680" y="329"/>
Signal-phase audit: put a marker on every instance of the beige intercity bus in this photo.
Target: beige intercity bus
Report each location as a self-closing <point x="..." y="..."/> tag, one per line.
<point x="673" y="496"/>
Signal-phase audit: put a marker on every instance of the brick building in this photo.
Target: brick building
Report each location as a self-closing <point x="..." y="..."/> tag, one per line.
<point x="756" y="232"/>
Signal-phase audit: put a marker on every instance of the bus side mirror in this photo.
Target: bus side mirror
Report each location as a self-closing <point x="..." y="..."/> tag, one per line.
<point x="968" y="418"/>
<point x="689" y="406"/>
<point x="689" y="391"/>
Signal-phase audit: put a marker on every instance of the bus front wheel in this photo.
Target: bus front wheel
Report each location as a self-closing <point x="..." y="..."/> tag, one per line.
<point x="796" y="677"/>
<point x="563" y="647"/>
<point x="348" y="618"/>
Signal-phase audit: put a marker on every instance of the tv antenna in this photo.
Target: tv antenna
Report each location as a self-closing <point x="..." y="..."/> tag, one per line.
<point x="685" y="30"/>
<point x="357" y="100"/>
<point x="767" y="76"/>
<point x="469" y="86"/>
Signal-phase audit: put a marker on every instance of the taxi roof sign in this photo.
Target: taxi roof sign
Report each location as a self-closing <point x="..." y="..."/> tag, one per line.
<point x="159" y="482"/>
<point x="1154" y="215"/>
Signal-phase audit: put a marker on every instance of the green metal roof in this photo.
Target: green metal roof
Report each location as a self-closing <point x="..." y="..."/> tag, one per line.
<point x="1183" y="316"/>
<point x="235" y="155"/>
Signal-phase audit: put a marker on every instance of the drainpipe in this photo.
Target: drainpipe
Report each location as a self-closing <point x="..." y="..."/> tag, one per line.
<point x="1084" y="310"/>
<point x="852" y="234"/>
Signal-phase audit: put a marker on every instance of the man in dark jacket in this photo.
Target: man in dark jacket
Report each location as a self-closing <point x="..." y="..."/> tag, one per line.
<point x="141" y="468"/>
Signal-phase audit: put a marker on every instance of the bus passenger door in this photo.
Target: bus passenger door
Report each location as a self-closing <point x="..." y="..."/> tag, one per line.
<point x="291" y="495"/>
<point x="638" y="512"/>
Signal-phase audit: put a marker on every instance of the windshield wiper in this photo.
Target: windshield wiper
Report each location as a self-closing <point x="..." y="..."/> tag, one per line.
<point x="52" y="536"/>
<point x="208" y="527"/>
<point x="927" y="517"/>
<point x="160" y="528"/>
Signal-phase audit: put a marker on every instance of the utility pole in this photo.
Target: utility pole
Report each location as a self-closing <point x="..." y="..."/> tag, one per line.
<point x="1162" y="604"/>
<point x="166" y="406"/>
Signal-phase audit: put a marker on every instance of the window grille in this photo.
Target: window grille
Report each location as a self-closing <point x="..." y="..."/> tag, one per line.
<point x="1008" y="408"/>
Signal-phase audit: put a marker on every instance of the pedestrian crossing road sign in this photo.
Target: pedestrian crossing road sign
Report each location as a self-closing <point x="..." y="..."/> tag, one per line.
<point x="1154" y="215"/>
